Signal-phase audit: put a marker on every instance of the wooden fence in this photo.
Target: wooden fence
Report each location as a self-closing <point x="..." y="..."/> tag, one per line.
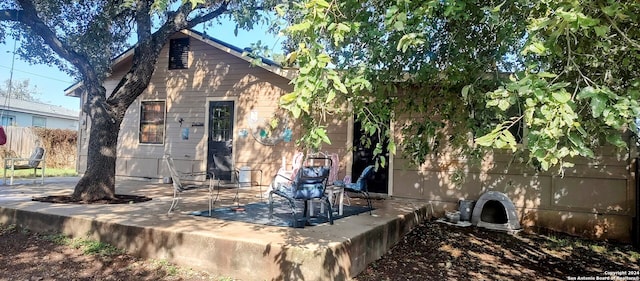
<point x="22" y="141"/>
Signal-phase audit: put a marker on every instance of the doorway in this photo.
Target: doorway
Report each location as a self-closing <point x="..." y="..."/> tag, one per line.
<point x="363" y="156"/>
<point x="220" y="139"/>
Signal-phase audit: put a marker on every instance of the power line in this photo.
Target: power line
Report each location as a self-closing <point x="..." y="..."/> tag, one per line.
<point x="34" y="74"/>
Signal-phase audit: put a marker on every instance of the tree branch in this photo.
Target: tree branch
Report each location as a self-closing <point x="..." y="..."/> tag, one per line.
<point x="148" y="48"/>
<point x="207" y="17"/>
<point x="624" y="36"/>
<point x="29" y="16"/>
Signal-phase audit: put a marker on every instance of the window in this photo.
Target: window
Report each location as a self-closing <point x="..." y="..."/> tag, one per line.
<point x="8" y="120"/>
<point x="179" y="53"/>
<point x="39" y="122"/>
<point x="152" y="122"/>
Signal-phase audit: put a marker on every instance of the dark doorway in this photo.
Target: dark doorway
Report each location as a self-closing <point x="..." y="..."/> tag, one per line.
<point x="494" y="212"/>
<point x="220" y="140"/>
<point x="363" y="157"/>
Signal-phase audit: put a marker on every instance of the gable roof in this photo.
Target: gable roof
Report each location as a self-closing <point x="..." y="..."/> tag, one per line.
<point x="266" y="64"/>
<point x="38" y="108"/>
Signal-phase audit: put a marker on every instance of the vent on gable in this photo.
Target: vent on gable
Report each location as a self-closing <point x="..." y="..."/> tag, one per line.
<point x="179" y="53"/>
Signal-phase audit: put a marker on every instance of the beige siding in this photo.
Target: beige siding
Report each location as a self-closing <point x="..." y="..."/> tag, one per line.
<point x="593" y="196"/>
<point x="213" y="74"/>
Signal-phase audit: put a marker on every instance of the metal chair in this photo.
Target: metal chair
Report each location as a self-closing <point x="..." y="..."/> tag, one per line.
<point x="179" y="187"/>
<point x="32" y="162"/>
<point x="360" y="186"/>
<point x="309" y="183"/>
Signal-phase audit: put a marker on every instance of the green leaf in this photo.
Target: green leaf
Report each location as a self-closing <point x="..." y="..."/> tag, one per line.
<point x="587" y="92"/>
<point x="545" y="74"/>
<point x="398" y="25"/>
<point x="601" y="30"/>
<point x="288" y="98"/>
<point x="537" y="48"/>
<point x="616" y="139"/>
<point x="300" y="26"/>
<point x="598" y="104"/>
<point x="488" y="139"/>
<point x="544" y="165"/>
<point x="561" y="97"/>
<point x="338" y="85"/>
<point x="465" y="92"/>
<point x="296" y="111"/>
<point x="322" y="3"/>
<point x="331" y="95"/>
<point x="504" y="104"/>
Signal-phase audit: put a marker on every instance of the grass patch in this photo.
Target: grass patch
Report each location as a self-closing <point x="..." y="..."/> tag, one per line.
<point x="88" y="246"/>
<point x="598" y="248"/>
<point x="167" y="267"/>
<point x="556" y="242"/>
<point x="59" y="239"/>
<point x="49" y="172"/>
<point x="7" y="228"/>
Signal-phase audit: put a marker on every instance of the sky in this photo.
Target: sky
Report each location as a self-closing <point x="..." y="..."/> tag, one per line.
<point x="51" y="82"/>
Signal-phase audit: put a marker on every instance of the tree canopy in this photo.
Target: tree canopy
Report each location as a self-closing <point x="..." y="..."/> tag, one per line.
<point x="562" y="72"/>
<point x="22" y="90"/>
<point x="83" y="36"/>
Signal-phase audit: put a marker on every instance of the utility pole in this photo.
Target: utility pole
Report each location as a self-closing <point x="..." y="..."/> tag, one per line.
<point x="13" y="60"/>
<point x="7" y="98"/>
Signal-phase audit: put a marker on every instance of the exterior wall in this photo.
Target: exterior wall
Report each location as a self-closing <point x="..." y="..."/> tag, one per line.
<point x="23" y="119"/>
<point x="592" y="199"/>
<point x="213" y="74"/>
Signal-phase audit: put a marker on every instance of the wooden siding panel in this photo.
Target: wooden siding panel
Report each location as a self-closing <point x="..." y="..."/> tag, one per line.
<point x="591" y="194"/>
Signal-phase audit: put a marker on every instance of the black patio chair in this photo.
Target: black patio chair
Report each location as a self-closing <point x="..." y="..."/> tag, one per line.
<point x="309" y="183"/>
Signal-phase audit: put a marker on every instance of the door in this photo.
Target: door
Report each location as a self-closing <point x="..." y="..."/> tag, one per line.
<point x="220" y="140"/>
<point x="363" y="157"/>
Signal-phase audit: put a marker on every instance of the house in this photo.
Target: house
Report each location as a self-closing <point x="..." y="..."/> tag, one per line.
<point x="206" y="105"/>
<point x="22" y="113"/>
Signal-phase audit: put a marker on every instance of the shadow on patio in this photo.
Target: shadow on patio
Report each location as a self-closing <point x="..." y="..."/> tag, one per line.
<point x="246" y="251"/>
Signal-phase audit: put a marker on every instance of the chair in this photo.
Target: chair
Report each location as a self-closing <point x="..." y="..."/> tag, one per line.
<point x="360" y="186"/>
<point x="179" y="187"/>
<point x="332" y="189"/>
<point x="32" y="162"/>
<point x="309" y="183"/>
<point x="284" y="176"/>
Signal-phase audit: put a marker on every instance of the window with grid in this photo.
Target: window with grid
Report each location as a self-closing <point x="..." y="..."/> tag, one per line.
<point x="179" y="53"/>
<point x="152" y="122"/>
<point x="221" y="126"/>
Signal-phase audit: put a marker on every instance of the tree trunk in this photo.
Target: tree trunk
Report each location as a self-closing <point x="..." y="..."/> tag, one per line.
<point x="98" y="181"/>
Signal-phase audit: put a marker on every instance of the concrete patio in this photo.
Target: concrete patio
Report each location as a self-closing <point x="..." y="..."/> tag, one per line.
<point x="243" y="251"/>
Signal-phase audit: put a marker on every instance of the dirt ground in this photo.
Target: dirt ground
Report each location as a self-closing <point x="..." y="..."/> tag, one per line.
<point x="432" y="251"/>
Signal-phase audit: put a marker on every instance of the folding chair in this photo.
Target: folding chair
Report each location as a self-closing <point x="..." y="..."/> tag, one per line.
<point x="32" y="162"/>
<point x="179" y="187"/>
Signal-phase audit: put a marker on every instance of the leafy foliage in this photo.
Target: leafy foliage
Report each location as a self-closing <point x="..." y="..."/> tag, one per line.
<point x="83" y="36"/>
<point x="21" y="90"/>
<point x="563" y="71"/>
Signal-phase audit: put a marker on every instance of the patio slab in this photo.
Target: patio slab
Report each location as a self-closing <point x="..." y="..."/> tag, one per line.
<point x="240" y="250"/>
